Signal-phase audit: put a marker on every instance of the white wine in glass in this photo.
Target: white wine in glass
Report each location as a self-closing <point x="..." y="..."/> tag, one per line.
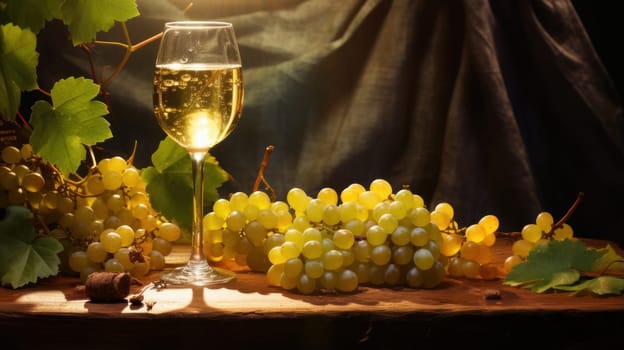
<point x="198" y="100"/>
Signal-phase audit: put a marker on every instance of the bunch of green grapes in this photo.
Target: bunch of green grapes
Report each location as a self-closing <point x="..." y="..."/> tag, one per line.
<point x="543" y="230"/>
<point x="330" y="242"/>
<point x="468" y="249"/>
<point x="104" y="220"/>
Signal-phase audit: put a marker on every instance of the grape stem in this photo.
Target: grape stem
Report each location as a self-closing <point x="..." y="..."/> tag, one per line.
<point x="567" y="215"/>
<point x="260" y="178"/>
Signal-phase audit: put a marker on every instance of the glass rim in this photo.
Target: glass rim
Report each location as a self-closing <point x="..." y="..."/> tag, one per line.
<point x="197" y="24"/>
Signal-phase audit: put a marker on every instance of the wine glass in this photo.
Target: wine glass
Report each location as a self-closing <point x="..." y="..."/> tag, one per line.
<point x="198" y="98"/>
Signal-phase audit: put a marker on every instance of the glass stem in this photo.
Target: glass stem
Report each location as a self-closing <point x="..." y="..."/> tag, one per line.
<point x="197" y="240"/>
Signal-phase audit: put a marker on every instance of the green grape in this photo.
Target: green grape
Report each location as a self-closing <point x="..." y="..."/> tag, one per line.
<point x="343" y="239"/>
<point x="236" y="220"/>
<point x="347" y="281"/>
<point x="123" y="256"/>
<point x="331" y="214"/>
<point x="400" y="236"/>
<point x="130" y="177"/>
<point x="414" y="277"/>
<point x="266" y="218"/>
<point x="376" y="274"/>
<point x="169" y="231"/>
<point x="470" y="250"/>
<point x="260" y="199"/>
<point x="332" y="260"/>
<point x="290" y="250"/>
<point x="271" y="241"/>
<point x="293" y="268"/>
<point x="531" y="233"/>
<point x="440" y="218"/>
<point x="274" y="275"/>
<point x="434" y="248"/>
<point x="451" y="244"/>
<point x="275" y="256"/>
<point x="96" y="252"/>
<point x="117" y="164"/>
<point x="239" y="201"/>
<point x="115" y="202"/>
<point x="314" y="210"/>
<point x="312" y="249"/>
<point x="112" y="180"/>
<point x="140" y="268"/>
<point x="255" y="232"/>
<point x="111" y="241"/>
<point x="392" y="275"/>
<point x="33" y="182"/>
<point x="406" y="197"/>
<point x="297" y="199"/>
<point x="380" y="208"/>
<point x="230" y="238"/>
<point x="329" y="280"/>
<point x="361" y="270"/>
<point x="356" y="226"/>
<point x="455" y="267"/>
<point x="305" y="284"/>
<point x="423" y="259"/>
<point x="314" y="268"/>
<point x="381" y="255"/>
<point x="362" y="251"/>
<point x="510" y="262"/>
<point x="301" y="223"/>
<point x="376" y="235"/>
<point x="470" y="268"/>
<point x="221" y="208"/>
<point x="78" y="260"/>
<point x="212" y="222"/>
<point x="9" y="181"/>
<point x="381" y="188"/>
<point x="489" y="223"/>
<point x="162" y="245"/>
<point x="351" y="193"/>
<point x="563" y="232"/>
<point x="433" y="276"/>
<point x="348" y="211"/>
<point x="140" y="211"/>
<point x="113" y="265"/>
<point x="369" y="199"/>
<point x="419" y="236"/>
<point x="26" y="151"/>
<point x="328" y="196"/>
<point x="397" y="209"/>
<point x="388" y="222"/>
<point x="11" y="155"/>
<point x="288" y="283"/>
<point x="157" y="260"/>
<point x="403" y="255"/>
<point x="475" y="233"/>
<point x="312" y="234"/>
<point x="419" y="216"/>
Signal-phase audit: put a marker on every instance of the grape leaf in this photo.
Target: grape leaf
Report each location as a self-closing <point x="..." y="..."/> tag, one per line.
<point x="601" y="285"/>
<point x="74" y="119"/>
<point x="18" y="67"/>
<point x="85" y="18"/>
<point x="170" y="184"/>
<point x="609" y="261"/>
<point x="554" y="264"/>
<point x="24" y="256"/>
<point x="31" y="14"/>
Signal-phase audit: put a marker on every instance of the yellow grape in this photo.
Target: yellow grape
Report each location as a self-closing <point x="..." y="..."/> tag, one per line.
<point x="545" y="221"/>
<point x="328" y="195"/>
<point x="490" y="223"/>
<point x="381" y="187"/>
<point x="531" y="233"/>
<point x="475" y="233"/>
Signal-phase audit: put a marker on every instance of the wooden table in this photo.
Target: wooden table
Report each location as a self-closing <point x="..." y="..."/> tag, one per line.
<point x="247" y="313"/>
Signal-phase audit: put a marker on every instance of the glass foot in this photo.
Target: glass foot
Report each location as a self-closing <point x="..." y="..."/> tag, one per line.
<point x="198" y="273"/>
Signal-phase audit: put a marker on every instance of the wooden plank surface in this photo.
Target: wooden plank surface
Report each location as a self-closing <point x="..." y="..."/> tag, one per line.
<point x="60" y="302"/>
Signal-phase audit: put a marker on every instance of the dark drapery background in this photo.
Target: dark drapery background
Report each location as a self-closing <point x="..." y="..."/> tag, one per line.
<point x="496" y="106"/>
